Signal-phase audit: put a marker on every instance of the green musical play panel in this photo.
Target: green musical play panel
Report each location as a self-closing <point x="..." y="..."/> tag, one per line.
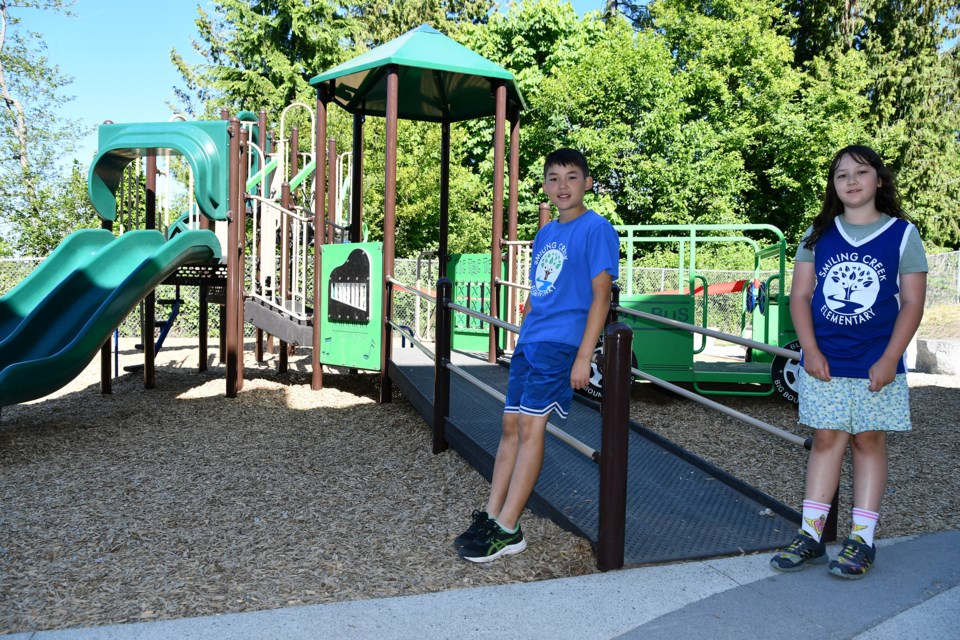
<point x="352" y="304"/>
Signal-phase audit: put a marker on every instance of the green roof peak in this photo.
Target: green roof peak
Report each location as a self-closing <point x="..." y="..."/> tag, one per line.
<point x="440" y="79"/>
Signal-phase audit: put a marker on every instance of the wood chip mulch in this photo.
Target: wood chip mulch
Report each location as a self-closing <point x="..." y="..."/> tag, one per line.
<point x="178" y="502"/>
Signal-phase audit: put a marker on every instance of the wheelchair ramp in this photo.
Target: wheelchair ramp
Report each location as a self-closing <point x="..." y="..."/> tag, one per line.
<point x="679" y="507"/>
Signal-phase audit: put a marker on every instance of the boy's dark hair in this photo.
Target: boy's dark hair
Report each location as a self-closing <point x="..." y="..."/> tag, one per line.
<point x="566" y="157"/>
<point x="887" y="200"/>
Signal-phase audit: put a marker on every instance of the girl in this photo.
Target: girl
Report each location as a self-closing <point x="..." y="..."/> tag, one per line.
<point x="857" y="297"/>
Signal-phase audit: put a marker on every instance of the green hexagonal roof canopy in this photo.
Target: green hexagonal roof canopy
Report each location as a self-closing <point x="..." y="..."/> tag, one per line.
<point x="440" y="79"/>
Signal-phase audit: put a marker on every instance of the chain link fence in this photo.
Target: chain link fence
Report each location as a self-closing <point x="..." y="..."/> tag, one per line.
<point x="725" y="311"/>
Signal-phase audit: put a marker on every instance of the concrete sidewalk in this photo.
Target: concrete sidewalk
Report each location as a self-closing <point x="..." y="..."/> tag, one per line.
<point x="912" y="592"/>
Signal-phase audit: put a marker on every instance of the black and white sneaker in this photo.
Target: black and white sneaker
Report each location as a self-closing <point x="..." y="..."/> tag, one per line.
<point x="493" y="543"/>
<point x="480" y="519"/>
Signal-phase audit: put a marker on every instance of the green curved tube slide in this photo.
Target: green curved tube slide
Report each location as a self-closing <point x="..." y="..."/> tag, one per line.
<point x="65" y="330"/>
<point x="75" y="250"/>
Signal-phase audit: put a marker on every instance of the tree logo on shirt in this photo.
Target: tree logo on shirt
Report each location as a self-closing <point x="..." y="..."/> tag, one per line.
<point x="549" y="266"/>
<point x="850" y="289"/>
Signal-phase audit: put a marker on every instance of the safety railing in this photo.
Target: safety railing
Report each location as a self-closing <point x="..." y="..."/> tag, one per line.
<point x="830" y="529"/>
<point x="615" y="409"/>
<point x="279" y="277"/>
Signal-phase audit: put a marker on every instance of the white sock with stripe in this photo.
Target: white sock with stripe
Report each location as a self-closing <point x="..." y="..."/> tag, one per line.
<point x="815" y="518"/>
<point x="864" y="524"/>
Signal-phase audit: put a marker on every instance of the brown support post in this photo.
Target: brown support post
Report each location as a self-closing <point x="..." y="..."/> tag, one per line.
<point x="331" y="217"/>
<point x="443" y="247"/>
<point x="222" y="313"/>
<point x="496" y="246"/>
<point x="512" y="314"/>
<point x="234" y="277"/>
<point x="150" y="302"/>
<point x="320" y="135"/>
<point x="544" y="214"/>
<point x="204" y="321"/>
<point x="241" y="246"/>
<point x="106" y="369"/>
<point x="356" y="179"/>
<point x="282" y="360"/>
<point x="294" y="151"/>
<point x="615" y="416"/>
<point x="389" y="227"/>
<point x="263" y="141"/>
<point x="441" y="376"/>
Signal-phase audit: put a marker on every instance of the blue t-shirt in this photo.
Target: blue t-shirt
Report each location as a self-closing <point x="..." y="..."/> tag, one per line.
<point x="566" y="258"/>
<point x="857" y="296"/>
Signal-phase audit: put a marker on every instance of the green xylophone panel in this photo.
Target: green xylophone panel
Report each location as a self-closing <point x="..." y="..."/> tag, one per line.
<point x="351" y="277"/>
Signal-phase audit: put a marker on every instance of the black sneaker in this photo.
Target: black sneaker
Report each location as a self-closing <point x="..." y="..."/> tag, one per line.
<point x="854" y="560"/>
<point x="798" y="553"/>
<point x="480" y="519"/>
<point x="494" y="542"/>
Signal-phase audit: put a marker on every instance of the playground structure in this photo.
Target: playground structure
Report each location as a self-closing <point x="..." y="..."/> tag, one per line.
<point x="306" y="276"/>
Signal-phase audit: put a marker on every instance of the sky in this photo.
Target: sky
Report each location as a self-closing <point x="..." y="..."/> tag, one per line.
<point x="118" y="54"/>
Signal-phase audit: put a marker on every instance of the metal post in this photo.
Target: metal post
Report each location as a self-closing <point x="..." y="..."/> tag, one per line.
<point x="150" y="302"/>
<point x="612" y="315"/>
<point x="513" y="205"/>
<point x="615" y="414"/>
<point x="285" y="268"/>
<point x="389" y="226"/>
<point x="441" y="378"/>
<point x="356" y="179"/>
<point x="320" y="134"/>
<point x="331" y="217"/>
<point x="241" y="254"/>
<point x="106" y="377"/>
<point x="442" y="246"/>
<point x="544" y="214"/>
<point x="496" y="247"/>
<point x="234" y="277"/>
<point x="204" y="325"/>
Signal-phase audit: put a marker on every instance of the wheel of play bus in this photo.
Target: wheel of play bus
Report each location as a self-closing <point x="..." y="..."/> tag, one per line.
<point x="594" y="389"/>
<point x="785" y="374"/>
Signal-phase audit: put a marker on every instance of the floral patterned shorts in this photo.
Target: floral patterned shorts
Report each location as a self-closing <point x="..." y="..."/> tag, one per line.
<point x="847" y="405"/>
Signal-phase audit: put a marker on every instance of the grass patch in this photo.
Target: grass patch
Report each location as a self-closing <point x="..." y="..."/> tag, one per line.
<point x="940" y="322"/>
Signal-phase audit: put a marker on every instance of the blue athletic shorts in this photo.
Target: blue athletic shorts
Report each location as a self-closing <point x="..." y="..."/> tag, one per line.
<point x="539" y="379"/>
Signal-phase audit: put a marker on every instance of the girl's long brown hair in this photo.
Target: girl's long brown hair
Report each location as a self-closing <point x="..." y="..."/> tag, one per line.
<point x="887" y="200"/>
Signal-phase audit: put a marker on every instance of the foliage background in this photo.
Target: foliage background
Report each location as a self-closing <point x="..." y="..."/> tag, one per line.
<point x="711" y="111"/>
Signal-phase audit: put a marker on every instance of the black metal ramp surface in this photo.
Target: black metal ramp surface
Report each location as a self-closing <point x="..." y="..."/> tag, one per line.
<point x="679" y="507"/>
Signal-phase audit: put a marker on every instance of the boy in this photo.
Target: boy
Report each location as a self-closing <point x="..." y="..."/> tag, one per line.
<point x="575" y="260"/>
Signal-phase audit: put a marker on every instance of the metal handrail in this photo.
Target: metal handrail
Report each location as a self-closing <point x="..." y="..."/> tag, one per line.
<point x="733" y="413"/>
<point x="419" y="345"/>
<point x="511" y="284"/>
<point x="483" y="316"/>
<point x="551" y="428"/>
<point x="393" y="281"/>
<point x="746" y="342"/>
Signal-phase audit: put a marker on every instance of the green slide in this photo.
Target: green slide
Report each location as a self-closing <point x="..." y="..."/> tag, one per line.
<point x="75" y="250"/>
<point x="66" y="329"/>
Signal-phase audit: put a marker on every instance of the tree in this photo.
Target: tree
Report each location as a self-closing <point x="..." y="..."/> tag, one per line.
<point x="38" y="203"/>
<point x="906" y="52"/>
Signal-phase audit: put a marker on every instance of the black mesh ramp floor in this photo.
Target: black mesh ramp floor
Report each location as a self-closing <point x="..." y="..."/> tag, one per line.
<point x="679" y="507"/>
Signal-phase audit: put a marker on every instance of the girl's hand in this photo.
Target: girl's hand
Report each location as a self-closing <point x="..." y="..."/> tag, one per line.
<point x="882" y="373"/>
<point x="815" y="364"/>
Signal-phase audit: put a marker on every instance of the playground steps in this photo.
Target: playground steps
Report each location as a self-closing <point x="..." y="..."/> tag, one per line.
<point x="679" y="507"/>
<point x="284" y="327"/>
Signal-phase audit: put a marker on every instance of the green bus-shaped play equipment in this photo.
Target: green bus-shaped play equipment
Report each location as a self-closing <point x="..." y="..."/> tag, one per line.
<point x="678" y="355"/>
